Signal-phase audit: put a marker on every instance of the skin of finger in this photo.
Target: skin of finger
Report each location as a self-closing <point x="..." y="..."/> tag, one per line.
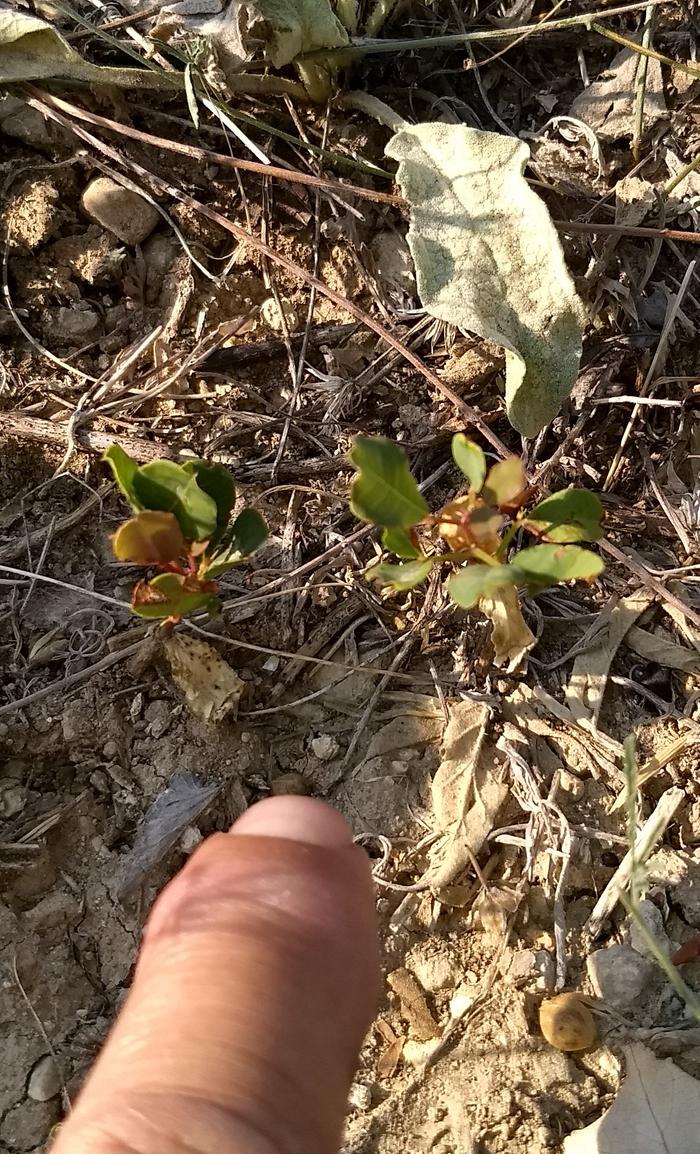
<point x="257" y="981"/>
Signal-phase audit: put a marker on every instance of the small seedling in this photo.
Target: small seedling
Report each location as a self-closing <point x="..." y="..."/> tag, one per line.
<point x="477" y="528"/>
<point x="181" y="526"/>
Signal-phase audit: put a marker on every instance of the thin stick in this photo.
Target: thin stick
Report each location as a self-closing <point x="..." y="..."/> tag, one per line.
<point x="651" y="832"/>
<point x="360" y="47"/>
<point x="651" y="373"/>
<point x="27" y="573"/>
<point x="220" y="158"/>
<point x="585" y="228"/>
<point x="71" y="680"/>
<point x="640" y="84"/>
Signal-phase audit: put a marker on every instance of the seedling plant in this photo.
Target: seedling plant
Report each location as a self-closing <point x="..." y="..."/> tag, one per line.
<point x="478" y="529"/>
<point x="182" y="526"/>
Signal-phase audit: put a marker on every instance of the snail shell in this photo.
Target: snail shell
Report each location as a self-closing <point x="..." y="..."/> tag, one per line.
<point x="567" y="1023"/>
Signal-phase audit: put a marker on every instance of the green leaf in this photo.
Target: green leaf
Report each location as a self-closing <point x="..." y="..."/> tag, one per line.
<point x="402" y="577"/>
<point x="569" y="515"/>
<point x="470" y="458"/>
<point x="505" y="484"/>
<point x="168" y="486"/>
<point x="398" y="541"/>
<point x="217" y="482"/>
<point x="473" y="582"/>
<point x="244" y="536"/>
<point x="544" y="565"/>
<point x="489" y="260"/>
<point x="171" y="595"/>
<point x="149" y="538"/>
<point x="124" y="468"/>
<point x="191" y="96"/>
<point x="384" y="492"/>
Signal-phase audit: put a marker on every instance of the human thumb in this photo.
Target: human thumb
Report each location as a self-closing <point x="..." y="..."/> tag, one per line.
<point x="256" y="982"/>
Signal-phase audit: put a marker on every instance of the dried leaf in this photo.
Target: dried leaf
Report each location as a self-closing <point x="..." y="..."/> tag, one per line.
<point x="211" y="687"/>
<point x="584" y="693"/>
<point x="465" y="791"/>
<point x="657" y="1111"/>
<point x="511" y="635"/>
<point x="488" y="259"/>
<point x="181" y="804"/>
<point x="279" y="30"/>
<point x="607" y="104"/>
<point x="31" y="49"/>
<point x="661" y="650"/>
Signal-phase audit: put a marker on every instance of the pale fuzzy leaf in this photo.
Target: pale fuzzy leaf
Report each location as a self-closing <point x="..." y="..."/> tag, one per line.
<point x="30" y="49"/>
<point x="511" y="635"/>
<point x="488" y="259"/>
<point x="211" y="687"/>
<point x="237" y="31"/>
<point x="466" y="792"/>
<point x="584" y="693"/>
<point x="657" y="1111"/>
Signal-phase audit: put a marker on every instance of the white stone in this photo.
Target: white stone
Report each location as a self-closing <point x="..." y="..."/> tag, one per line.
<point x="325" y="747"/>
<point x="44" y="1080"/>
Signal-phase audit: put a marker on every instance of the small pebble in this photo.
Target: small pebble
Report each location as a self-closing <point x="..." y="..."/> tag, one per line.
<point x="110" y="749"/>
<point x="619" y="975"/>
<point x="325" y="747"/>
<point x="290" y="783"/>
<point x="360" y="1096"/>
<point x="44" y="1080"/>
<point x="190" y="839"/>
<point x="120" y="211"/>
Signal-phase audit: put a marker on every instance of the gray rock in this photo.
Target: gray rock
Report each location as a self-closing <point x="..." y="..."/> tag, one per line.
<point x="120" y="211"/>
<point x="619" y="975"/>
<point x="44" y="1080"/>
<point x="159" y="715"/>
<point x="654" y="923"/>
<point x="76" y="325"/>
<point x="325" y="747"/>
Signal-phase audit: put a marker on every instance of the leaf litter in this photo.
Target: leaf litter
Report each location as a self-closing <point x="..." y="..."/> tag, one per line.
<point x="451" y="939"/>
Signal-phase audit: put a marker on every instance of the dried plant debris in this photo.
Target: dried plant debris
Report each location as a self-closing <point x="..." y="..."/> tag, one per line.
<point x="657" y="1111"/>
<point x="584" y="693"/>
<point x="31" y="49"/>
<point x="182" y="802"/>
<point x="607" y="104"/>
<point x="211" y="687"/>
<point x="467" y="792"/>
<point x="238" y="31"/>
<point x="488" y="259"/>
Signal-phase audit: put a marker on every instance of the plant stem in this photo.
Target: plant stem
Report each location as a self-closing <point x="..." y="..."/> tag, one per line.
<point x="651" y="53"/>
<point x="367" y="47"/>
<point x="641" y="85"/>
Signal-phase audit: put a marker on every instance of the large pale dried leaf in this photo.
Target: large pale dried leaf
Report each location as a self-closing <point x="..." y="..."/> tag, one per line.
<point x="466" y="792"/>
<point x="488" y="259"/>
<point x="607" y="104"/>
<point x="657" y="1111"/>
<point x="511" y="635"/>
<point x="211" y="687"/>
<point x="238" y="30"/>
<point x="584" y="693"/>
<point x="169" y="815"/>
<point x="30" y="49"/>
